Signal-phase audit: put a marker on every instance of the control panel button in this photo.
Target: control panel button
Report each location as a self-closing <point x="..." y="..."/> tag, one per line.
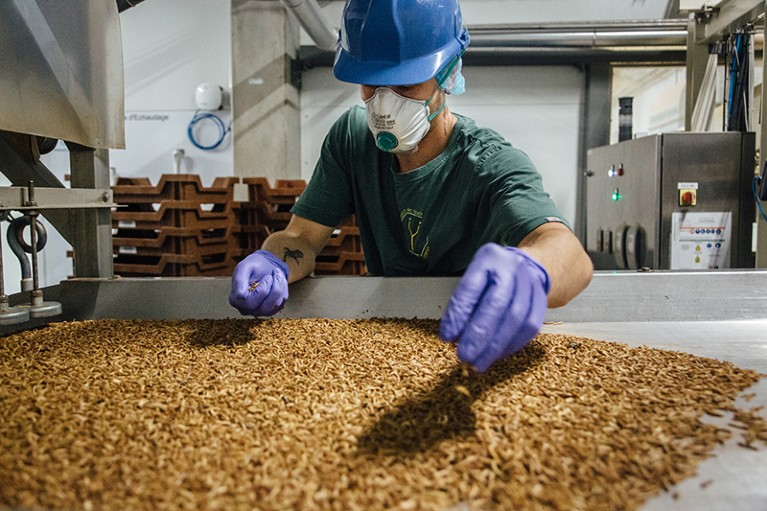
<point x="615" y="172"/>
<point x="688" y="197"/>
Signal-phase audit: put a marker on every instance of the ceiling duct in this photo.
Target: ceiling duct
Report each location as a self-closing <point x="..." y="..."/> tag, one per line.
<point x="313" y="21"/>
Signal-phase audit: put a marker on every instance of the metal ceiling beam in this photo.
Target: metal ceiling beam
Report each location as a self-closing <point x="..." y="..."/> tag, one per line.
<point x="706" y="26"/>
<point x="726" y="18"/>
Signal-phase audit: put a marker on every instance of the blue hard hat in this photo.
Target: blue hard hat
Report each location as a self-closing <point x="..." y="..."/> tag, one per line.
<point x="398" y="42"/>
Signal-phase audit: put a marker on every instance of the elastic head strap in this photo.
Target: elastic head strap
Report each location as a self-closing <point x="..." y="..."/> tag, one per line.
<point x="440" y="81"/>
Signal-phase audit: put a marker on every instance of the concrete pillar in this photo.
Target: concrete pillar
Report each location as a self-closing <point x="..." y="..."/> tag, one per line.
<point x="266" y="124"/>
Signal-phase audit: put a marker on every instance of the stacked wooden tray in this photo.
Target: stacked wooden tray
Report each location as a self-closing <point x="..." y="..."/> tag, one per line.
<point x="180" y="228"/>
<point x="267" y="209"/>
<point x="343" y="253"/>
<point x="177" y="227"/>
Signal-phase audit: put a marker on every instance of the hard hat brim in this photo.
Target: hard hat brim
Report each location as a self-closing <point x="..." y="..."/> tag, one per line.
<point x="350" y="69"/>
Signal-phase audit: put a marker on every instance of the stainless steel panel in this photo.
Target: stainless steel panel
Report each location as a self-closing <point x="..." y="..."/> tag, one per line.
<point x="611" y="297"/>
<point x="61" y="71"/>
<point x="638" y="205"/>
<point x="722" y="164"/>
<point x="646" y="172"/>
<point x="15" y="198"/>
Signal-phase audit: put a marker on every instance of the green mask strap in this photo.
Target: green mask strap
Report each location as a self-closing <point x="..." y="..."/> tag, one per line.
<point x="435" y="114"/>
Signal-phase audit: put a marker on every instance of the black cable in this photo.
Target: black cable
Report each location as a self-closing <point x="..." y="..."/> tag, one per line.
<point x="737" y="119"/>
<point x="756" y="182"/>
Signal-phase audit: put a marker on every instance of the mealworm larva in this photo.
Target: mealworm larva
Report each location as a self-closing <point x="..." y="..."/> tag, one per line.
<point x="360" y="396"/>
<point x="462" y="390"/>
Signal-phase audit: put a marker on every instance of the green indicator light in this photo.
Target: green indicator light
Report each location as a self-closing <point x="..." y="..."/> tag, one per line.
<point x="616" y="196"/>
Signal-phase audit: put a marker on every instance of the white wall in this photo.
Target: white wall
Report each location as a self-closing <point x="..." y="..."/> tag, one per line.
<point x="526" y="11"/>
<point x="170" y="47"/>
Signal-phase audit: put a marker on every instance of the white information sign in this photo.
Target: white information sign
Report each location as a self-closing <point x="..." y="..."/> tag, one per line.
<point x="700" y="241"/>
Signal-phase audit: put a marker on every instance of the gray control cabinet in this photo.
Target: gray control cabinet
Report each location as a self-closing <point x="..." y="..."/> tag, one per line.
<point x="671" y="201"/>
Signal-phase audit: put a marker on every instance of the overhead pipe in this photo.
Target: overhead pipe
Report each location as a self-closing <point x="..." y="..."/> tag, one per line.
<point x="596" y="35"/>
<point x="313" y="20"/>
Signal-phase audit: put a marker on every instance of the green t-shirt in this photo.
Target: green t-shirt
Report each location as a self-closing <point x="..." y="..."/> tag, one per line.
<point x="431" y="220"/>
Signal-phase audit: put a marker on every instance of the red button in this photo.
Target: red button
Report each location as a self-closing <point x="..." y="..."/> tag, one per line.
<point x="687" y="198"/>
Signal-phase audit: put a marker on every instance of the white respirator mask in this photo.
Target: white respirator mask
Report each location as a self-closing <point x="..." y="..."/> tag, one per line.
<point x="398" y="123"/>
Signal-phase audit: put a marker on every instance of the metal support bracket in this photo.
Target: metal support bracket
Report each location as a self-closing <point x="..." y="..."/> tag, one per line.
<point x="15" y="198"/>
<point x="727" y="17"/>
<point x="81" y="214"/>
<point x="705" y="27"/>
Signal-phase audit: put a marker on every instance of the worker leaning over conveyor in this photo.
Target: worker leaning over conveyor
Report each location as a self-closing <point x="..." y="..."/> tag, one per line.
<point x="433" y="193"/>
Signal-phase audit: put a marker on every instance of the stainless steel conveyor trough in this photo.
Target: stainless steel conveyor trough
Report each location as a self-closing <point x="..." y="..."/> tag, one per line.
<point x="721" y="315"/>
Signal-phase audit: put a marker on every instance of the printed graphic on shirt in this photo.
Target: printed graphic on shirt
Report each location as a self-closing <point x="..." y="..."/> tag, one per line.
<point x="418" y="240"/>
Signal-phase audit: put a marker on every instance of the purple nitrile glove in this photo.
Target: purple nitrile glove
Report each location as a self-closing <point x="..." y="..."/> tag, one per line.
<point x="269" y="296"/>
<point x="498" y="306"/>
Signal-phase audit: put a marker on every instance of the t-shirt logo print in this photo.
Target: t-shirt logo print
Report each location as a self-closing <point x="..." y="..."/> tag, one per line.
<point x="418" y="240"/>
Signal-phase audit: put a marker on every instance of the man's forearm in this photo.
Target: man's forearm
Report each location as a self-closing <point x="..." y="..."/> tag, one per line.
<point x="296" y="253"/>
<point x="564" y="258"/>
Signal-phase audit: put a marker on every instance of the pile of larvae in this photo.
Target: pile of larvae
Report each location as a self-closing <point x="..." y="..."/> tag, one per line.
<point x="347" y="415"/>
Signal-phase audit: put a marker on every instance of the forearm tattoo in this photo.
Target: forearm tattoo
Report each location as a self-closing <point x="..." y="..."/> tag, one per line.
<point x="293" y="254"/>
